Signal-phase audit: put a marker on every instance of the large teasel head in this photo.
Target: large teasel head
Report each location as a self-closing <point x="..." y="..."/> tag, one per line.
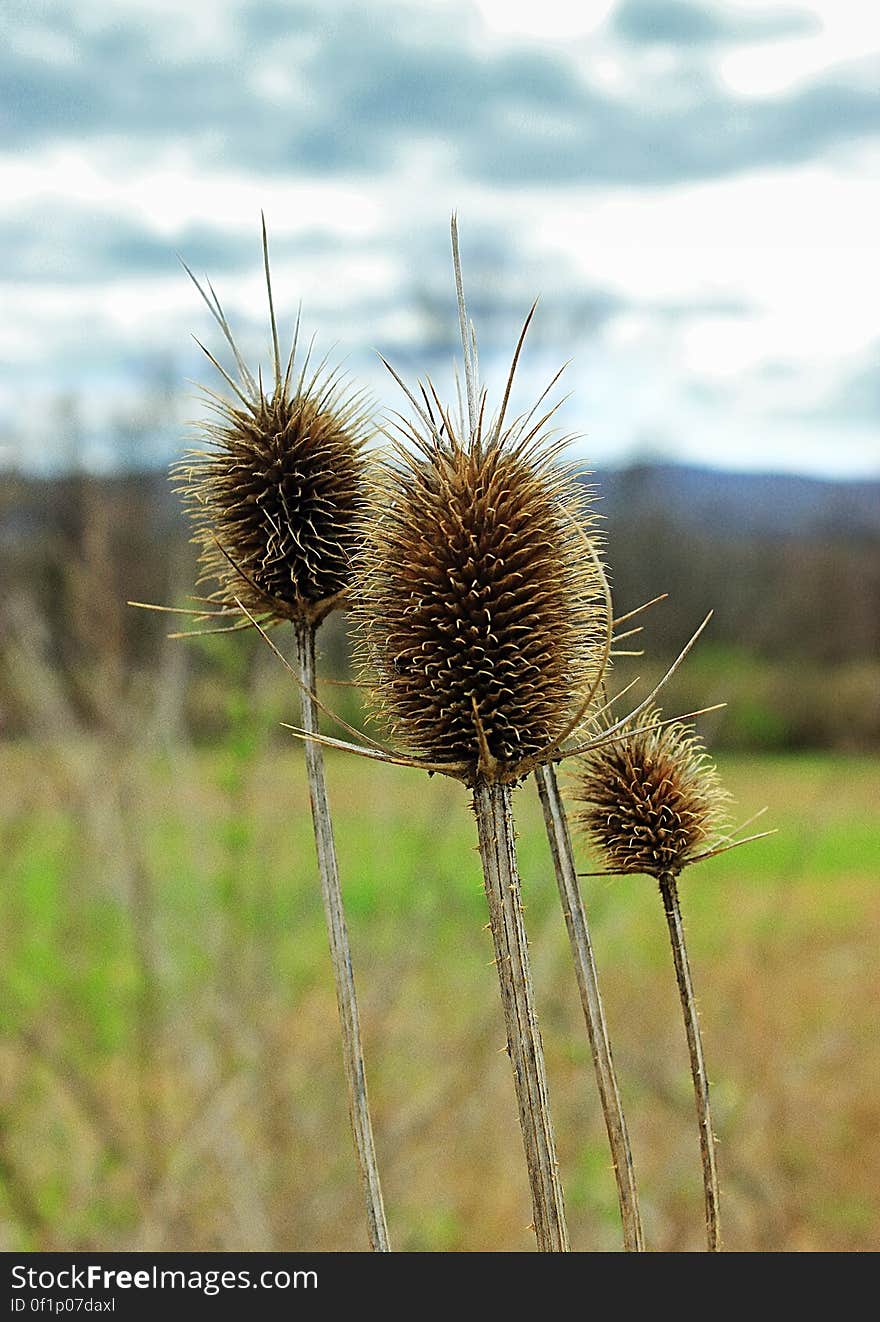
<point x="650" y="801"/>
<point x="277" y="494"/>
<point x="481" y="601"/>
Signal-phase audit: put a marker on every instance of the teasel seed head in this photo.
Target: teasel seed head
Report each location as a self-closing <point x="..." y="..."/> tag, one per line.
<point x="479" y="600"/>
<point x="277" y="495"/>
<point x="651" y="801"/>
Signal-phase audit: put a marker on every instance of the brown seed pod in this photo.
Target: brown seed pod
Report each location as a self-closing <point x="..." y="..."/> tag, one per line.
<point x="277" y="496"/>
<point x="651" y="801"/>
<point x="481" y="606"/>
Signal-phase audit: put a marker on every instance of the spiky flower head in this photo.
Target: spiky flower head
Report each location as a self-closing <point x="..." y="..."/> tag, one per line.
<point x="276" y="495"/>
<point x="479" y="595"/>
<point x="650" y="801"/>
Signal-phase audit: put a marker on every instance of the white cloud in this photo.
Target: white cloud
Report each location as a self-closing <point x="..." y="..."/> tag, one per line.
<point x="846" y="30"/>
<point x="673" y="293"/>
<point x="549" y="21"/>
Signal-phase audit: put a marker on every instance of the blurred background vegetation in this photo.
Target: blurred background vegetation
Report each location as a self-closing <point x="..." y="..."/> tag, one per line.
<point x="170" y="1071"/>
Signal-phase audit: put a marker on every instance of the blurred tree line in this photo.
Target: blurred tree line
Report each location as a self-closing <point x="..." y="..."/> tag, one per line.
<point x="792" y="571"/>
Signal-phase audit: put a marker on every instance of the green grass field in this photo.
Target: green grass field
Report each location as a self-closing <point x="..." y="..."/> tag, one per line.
<point x="170" y="1072"/>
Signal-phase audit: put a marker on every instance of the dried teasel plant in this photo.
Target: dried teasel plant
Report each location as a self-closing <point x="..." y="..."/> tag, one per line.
<point x="652" y="803"/>
<point x="481" y="623"/>
<point x="482" y="626"/>
<point x="486" y="618"/>
<point x="276" y="498"/>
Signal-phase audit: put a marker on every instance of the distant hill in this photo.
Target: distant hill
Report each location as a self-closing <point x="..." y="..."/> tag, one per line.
<point x="744" y="505"/>
<point x="713" y="502"/>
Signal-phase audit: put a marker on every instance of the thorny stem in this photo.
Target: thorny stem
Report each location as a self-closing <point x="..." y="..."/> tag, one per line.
<point x="501" y="878"/>
<point x="340" y="950"/>
<point x="669" y="892"/>
<point x="591" y="1000"/>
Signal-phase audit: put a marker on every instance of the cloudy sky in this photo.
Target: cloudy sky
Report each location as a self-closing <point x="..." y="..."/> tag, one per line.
<point x="692" y="187"/>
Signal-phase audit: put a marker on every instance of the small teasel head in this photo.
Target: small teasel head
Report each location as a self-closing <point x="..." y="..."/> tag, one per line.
<point x="479" y="594"/>
<point x="650" y="801"/>
<point x="277" y="494"/>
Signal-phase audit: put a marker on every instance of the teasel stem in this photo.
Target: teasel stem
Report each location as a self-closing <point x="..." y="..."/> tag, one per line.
<point x="340" y="950"/>
<point x="501" y="877"/>
<point x="669" y="892"/>
<point x="591" y="1000"/>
